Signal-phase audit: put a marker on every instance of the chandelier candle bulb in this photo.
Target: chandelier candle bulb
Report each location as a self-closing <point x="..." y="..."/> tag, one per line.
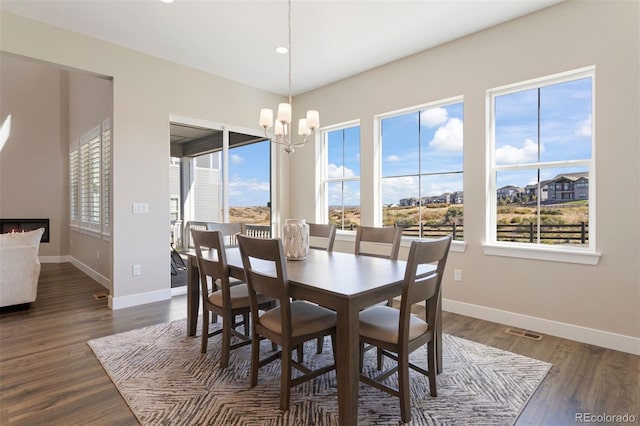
<point x="266" y="118"/>
<point x="279" y="130"/>
<point x="313" y="119"/>
<point x="284" y="113"/>
<point x="303" y="130"/>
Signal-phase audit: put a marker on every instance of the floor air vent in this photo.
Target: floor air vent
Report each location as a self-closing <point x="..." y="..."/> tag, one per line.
<point x="524" y="333"/>
<point x="100" y="295"/>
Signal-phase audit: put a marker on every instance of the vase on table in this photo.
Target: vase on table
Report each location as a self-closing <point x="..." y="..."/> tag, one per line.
<point x="295" y="239"/>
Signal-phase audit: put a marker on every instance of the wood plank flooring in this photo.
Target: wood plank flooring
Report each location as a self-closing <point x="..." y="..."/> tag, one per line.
<point x="48" y="374"/>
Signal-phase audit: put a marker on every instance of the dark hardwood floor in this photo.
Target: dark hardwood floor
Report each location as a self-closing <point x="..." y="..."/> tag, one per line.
<point x="48" y="374"/>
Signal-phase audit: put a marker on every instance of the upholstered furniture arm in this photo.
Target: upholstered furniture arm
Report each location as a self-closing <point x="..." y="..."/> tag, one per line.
<point x="19" y="273"/>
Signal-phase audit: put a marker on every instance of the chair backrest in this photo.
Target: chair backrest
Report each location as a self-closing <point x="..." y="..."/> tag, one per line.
<point x="265" y="271"/>
<point x="228" y="231"/>
<point x="390" y="237"/>
<point x="424" y="289"/>
<point x="214" y="263"/>
<point x="325" y="232"/>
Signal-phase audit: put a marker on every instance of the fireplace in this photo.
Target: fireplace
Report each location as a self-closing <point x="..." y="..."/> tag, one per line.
<point x="25" y="225"/>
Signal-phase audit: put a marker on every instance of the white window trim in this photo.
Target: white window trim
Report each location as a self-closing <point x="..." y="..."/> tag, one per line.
<point x="492" y="247"/>
<point x="322" y="198"/>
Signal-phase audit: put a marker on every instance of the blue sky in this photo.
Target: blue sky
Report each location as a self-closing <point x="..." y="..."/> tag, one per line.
<point x="565" y="129"/>
<point x="249" y="175"/>
<point x="430" y="142"/>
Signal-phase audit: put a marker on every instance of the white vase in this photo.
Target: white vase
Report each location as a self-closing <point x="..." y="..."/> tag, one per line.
<point x="295" y="239"/>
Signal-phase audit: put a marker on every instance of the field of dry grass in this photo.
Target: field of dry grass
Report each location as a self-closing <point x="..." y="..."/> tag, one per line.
<point x="561" y="214"/>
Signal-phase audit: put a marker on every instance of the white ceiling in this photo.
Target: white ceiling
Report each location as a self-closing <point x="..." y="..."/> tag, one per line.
<point x="235" y="39"/>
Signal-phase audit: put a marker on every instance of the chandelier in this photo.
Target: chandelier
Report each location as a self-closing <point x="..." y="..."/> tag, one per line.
<point x="281" y="133"/>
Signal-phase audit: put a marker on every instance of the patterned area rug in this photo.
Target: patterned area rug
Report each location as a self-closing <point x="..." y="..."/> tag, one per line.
<point x="165" y="379"/>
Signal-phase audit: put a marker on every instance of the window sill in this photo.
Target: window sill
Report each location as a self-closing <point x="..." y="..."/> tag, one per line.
<point x="543" y="253"/>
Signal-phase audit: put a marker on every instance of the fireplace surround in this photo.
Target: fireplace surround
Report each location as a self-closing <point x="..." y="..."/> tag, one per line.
<point x="25" y="225"/>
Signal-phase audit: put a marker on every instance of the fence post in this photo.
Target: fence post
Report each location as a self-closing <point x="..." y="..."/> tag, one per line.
<point x="582" y="231"/>
<point x="453" y="231"/>
<point x="531" y="232"/>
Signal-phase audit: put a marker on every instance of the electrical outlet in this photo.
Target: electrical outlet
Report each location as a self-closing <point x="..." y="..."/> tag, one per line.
<point x="457" y="274"/>
<point x="136" y="270"/>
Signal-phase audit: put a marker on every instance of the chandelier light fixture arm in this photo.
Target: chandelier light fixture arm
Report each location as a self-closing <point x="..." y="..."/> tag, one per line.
<point x="281" y="133"/>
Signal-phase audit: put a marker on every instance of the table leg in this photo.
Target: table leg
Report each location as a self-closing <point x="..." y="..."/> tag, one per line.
<point x="193" y="296"/>
<point x="348" y="364"/>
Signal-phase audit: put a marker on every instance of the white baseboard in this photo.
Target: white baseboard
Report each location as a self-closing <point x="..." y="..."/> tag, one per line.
<point x="54" y="259"/>
<point x="578" y="333"/>
<point x="101" y="279"/>
<point x="177" y="291"/>
<point x="139" y="299"/>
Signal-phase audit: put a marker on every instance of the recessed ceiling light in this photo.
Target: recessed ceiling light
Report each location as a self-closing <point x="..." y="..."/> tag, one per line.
<point x="282" y="50"/>
<point x="166" y="1"/>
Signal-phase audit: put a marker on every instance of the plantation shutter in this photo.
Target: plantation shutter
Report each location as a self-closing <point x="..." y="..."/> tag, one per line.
<point x="74" y="177"/>
<point x="106" y="177"/>
<point x="90" y="157"/>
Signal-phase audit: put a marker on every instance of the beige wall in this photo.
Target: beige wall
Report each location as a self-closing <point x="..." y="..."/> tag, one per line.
<point x="33" y="162"/>
<point x="571" y="35"/>
<point x="146" y="91"/>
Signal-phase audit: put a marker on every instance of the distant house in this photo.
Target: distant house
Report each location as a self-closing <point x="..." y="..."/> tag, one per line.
<point x="531" y="191"/>
<point x="570" y="186"/>
<point x="510" y="192"/>
<point x="409" y="202"/>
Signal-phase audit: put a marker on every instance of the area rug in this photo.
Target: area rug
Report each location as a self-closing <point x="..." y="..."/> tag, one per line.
<point x="165" y="379"/>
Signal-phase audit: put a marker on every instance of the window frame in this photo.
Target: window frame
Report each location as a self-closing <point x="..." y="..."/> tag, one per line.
<point x="322" y="215"/>
<point x="570" y="254"/>
<point x="458" y="245"/>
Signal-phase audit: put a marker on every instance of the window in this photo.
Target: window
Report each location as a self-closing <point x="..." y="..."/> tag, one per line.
<point x="90" y="181"/>
<point x="342" y="176"/>
<point x="541" y="147"/>
<point x="106" y="177"/>
<point x="74" y="172"/>
<point x="422" y="170"/>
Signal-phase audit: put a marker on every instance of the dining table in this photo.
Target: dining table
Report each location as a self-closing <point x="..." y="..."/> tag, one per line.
<point x="343" y="282"/>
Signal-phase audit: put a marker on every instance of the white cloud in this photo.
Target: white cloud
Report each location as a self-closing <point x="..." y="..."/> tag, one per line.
<point x="236" y="159"/>
<point x="449" y="137"/>
<point x="393" y="158"/>
<point x="585" y="127"/>
<point x="334" y="171"/>
<point x="509" y="154"/>
<point x="434" y="117"/>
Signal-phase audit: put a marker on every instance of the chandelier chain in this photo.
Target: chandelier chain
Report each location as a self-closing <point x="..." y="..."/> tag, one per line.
<point x="289" y="26"/>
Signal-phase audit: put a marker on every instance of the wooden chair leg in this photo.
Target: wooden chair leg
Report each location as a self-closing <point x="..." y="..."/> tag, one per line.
<point x="285" y="379"/>
<point x="431" y="361"/>
<point x="255" y="358"/>
<point x="403" y="387"/>
<point x="380" y="358"/>
<point x="205" y="331"/>
<point x="245" y="319"/>
<point x="300" y="353"/>
<point x="227" y="323"/>
<point x="319" y="345"/>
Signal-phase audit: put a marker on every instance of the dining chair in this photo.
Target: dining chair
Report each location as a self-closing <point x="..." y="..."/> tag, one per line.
<point x="223" y="299"/>
<point x="378" y="242"/>
<point x="323" y="236"/>
<point x="229" y="230"/>
<point x="322" y="233"/>
<point x="290" y="324"/>
<point x="398" y="332"/>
